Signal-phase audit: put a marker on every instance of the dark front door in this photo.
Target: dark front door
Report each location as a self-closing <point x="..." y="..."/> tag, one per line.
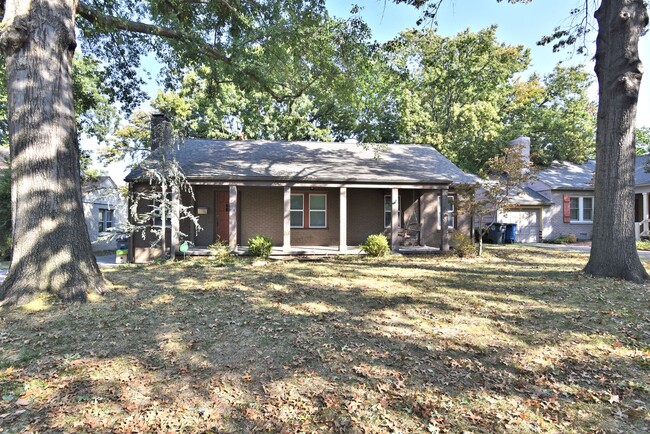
<point x="221" y="217"/>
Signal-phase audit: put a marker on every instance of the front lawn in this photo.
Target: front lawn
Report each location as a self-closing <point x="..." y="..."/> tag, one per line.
<point x="519" y="341"/>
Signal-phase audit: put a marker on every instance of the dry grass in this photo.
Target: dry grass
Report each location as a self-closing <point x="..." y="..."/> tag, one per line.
<point x="518" y="342"/>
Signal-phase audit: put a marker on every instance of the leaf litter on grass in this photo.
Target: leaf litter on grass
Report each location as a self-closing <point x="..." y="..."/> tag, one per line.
<point x="515" y="342"/>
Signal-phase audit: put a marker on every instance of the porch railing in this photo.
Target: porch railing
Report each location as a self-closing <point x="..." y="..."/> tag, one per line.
<point x="638" y="229"/>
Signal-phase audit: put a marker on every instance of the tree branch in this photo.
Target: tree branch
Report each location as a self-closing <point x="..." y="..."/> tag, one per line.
<point x="96" y="17"/>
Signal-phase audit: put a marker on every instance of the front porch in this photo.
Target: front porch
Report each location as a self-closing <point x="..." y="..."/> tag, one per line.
<point x="320" y="219"/>
<point x="314" y="251"/>
<point x="310" y="219"/>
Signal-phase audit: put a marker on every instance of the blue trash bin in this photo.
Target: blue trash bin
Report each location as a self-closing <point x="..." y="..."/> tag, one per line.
<point x="511" y="233"/>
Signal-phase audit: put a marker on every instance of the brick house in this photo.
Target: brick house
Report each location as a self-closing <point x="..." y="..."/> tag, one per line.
<point x="307" y="194"/>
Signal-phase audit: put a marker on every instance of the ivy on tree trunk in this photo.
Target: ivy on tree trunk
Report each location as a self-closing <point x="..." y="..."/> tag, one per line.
<point x="51" y="250"/>
<point x="619" y="71"/>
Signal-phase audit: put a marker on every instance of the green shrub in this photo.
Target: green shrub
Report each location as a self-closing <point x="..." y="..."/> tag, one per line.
<point x="563" y="239"/>
<point x="219" y="250"/>
<point x="463" y="245"/>
<point x="260" y="246"/>
<point x="376" y="245"/>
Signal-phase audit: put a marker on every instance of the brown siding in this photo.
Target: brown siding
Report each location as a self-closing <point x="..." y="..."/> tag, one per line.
<point x="142" y="250"/>
<point x="262" y="211"/>
<point x="365" y="214"/>
<point x="205" y="197"/>
<point x="430" y="231"/>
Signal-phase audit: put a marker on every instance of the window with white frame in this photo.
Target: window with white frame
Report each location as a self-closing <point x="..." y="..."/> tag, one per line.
<point x="297" y="211"/>
<point x="581" y="209"/>
<point x="451" y="212"/>
<point x="388" y="211"/>
<point x="105" y="219"/>
<point x="317" y="210"/>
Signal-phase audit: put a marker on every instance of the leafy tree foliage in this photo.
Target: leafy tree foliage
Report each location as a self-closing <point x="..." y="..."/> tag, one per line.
<point x="504" y="175"/>
<point x="463" y="94"/>
<point x="619" y="70"/>
<point x="460" y="94"/>
<point x="642" y="140"/>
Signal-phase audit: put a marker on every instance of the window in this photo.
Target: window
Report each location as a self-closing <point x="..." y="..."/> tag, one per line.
<point x="297" y="211"/>
<point x="451" y="212"/>
<point x="581" y="209"/>
<point x="388" y="211"/>
<point x="317" y="210"/>
<point x="105" y="219"/>
<point x="156" y="211"/>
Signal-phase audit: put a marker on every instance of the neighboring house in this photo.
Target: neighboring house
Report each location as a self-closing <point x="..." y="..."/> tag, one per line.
<point x="104" y="210"/>
<point x="558" y="201"/>
<point x="529" y="215"/>
<point x="642" y="196"/>
<point x="570" y="189"/>
<point x="304" y="194"/>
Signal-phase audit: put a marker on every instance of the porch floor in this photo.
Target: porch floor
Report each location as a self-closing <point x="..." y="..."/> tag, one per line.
<point x="314" y="250"/>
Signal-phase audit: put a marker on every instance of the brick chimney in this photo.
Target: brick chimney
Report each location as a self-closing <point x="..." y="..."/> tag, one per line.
<point x="524" y="144"/>
<point x="161" y="130"/>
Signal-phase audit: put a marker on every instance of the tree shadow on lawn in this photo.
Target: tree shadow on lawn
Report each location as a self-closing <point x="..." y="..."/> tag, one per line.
<point x="328" y="346"/>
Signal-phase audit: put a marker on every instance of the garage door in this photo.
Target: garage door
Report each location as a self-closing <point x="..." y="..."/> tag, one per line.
<point x="526" y="221"/>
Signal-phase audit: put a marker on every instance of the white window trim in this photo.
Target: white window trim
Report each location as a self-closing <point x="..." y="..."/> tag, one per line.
<point x="451" y="214"/>
<point x="390" y="211"/>
<point x="581" y="209"/>
<point x="301" y="210"/>
<point x="318" y="210"/>
<point x="104" y="220"/>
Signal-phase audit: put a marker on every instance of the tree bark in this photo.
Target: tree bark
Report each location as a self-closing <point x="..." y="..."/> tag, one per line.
<point x="619" y="72"/>
<point x="51" y="250"/>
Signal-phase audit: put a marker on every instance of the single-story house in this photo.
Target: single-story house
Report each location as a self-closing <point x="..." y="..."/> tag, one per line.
<point x="563" y="200"/>
<point x="558" y="201"/>
<point x="642" y="196"/>
<point x="304" y="194"/>
<point x="104" y="209"/>
<point x="570" y="189"/>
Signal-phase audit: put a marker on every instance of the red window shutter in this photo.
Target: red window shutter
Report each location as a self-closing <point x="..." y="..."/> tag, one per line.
<point x="567" y="208"/>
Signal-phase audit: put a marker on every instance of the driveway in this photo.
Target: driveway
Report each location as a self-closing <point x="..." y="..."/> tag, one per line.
<point x="106" y="261"/>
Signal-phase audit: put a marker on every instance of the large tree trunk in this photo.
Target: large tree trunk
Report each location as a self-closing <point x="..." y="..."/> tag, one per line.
<point x="619" y="71"/>
<point x="51" y="250"/>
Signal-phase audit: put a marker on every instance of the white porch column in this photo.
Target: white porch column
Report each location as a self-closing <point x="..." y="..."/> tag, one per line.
<point x="175" y="223"/>
<point x="444" y="239"/>
<point x="286" y="238"/>
<point x="645" y="212"/>
<point x="232" y="218"/>
<point x="343" y="219"/>
<point x="394" y="214"/>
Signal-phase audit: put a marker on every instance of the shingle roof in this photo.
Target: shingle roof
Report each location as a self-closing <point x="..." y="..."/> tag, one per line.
<point x="565" y="176"/>
<point x="641" y="177"/>
<point x="528" y="196"/>
<point x="313" y="161"/>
